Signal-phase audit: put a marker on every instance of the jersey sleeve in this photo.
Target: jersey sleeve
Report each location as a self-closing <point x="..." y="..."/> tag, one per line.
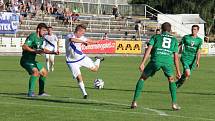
<point x="29" y="41"/>
<point x="175" y="45"/>
<point x="151" y="41"/>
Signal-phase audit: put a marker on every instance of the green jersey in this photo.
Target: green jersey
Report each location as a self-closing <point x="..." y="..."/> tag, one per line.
<point x="34" y="42"/>
<point x="190" y="47"/>
<point x="163" y="47"/>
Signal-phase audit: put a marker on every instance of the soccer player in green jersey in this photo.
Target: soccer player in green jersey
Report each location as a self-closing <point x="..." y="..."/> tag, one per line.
<point x="34" y="45"/>
<point x="190" y="56"/>
<point x="164" y="54"/>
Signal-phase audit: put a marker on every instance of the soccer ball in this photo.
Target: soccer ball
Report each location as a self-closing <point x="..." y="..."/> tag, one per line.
<point x="98" y="83"/>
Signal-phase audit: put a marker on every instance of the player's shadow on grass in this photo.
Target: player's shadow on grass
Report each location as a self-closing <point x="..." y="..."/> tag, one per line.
<point x="15" y="94"/>
<point x="4" y="70"/>
<point x="145" y="91"/>
<point x="77" y="102"/>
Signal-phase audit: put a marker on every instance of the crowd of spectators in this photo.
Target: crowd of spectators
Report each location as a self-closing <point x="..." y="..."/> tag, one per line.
<point x="31" y="8"/>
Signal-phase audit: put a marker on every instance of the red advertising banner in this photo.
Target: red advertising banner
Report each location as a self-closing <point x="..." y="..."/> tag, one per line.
<point x="103" y="46"/>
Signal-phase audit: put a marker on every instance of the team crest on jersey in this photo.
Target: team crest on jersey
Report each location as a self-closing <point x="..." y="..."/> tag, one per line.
<point x="192" y="43"/>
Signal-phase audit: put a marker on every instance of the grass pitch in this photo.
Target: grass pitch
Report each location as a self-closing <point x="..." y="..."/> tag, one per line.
<point x="120" y="74"/>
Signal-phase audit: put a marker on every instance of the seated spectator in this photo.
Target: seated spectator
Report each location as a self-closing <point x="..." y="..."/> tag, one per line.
<point x="2" y="5"/>
<point x="67" y="16"/>
<point x="75" y="17"/>
<point x="49" y="8"/>
<point x="105" y="37"/>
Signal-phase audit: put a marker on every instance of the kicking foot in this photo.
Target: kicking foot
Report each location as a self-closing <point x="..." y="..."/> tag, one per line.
<point x="85" y="96"/>
<point x="178" y="84"/>
<point x="175" y="107"/>
<point x="133" y="105"/>
<point x="44" y="95"/>
<point x="101" y="58"/>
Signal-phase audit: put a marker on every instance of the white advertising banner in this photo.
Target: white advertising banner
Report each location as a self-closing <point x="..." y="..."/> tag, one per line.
<point x="211" y="48"/>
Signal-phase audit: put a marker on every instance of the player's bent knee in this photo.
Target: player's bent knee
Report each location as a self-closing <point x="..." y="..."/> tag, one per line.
<point x="171" y="79"/>
<point x="44" y="72"/>
<point x="94" y="69"/>
<point x="35" y="72"/>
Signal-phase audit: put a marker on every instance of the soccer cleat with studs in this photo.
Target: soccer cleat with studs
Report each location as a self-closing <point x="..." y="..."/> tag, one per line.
<point x="101" y="58"/>
<point x="44" y="95"/>
<point x="175" y="107"/>
<point x="85" y="97"/>
<point x="133" y="105"/>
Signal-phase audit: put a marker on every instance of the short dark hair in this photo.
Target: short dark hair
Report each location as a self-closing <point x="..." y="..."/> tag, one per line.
<point x="166" y="27"/>
<point x="42" y="25"/>
<point x="80" y="26"/>
<point x="157" y="30"/>
<point x="196" y="26"/>
<point x="49" y="27"/>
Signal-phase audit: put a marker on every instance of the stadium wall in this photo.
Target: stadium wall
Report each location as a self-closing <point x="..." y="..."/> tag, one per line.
<point x="14" y="45"/>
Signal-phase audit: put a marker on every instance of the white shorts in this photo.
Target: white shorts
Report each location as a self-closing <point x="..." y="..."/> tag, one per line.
<point x="50" y="57"/>
<point x="74" y="67"/>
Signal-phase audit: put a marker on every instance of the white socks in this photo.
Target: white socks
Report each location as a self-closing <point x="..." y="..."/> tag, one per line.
<point x="47" y="66"/>
<point x="97" y="62"/>
<point x="82" y="87"/>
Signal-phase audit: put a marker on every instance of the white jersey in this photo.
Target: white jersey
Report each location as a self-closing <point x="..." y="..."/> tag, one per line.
<point x="51" y="42"/>
<point x="73" y="50"/>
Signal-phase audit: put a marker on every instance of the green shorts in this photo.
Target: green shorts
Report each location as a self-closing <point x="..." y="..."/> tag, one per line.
<point x="152" y="67"/>
<point x="28" y="66"/>
<point x="188" y="64"/>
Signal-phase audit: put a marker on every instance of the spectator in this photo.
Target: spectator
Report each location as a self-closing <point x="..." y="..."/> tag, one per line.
<point x="67" y="16"/>
<point x="75" y="16"/>
<point x="138" y="28"/>
<point x="2" y="5"/>
<point x="105" y="37"/>
<point x="115" y="11"/>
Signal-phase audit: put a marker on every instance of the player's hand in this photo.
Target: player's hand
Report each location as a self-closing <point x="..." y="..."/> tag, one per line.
<point x="197" y="64"/>
<point x="141" y="68"/>
<point x="178" y="75"/>
<point x="41" y="51"/>
<point x="57" y="53"/>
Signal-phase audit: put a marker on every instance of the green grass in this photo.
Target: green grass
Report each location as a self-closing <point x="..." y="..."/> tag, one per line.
<point x="196" y="96"/>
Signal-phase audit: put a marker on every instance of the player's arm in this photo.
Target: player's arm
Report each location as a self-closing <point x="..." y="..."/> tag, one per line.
<point x="76" y="40"/>
<point x="176" y="61"/>
<point x="198" y="57"/>
<point x="50" y="52"/>
<point x="145" y="58"/>
<point x="198" y="54"/>
<point x="28" y="49"/>
<point x="90" y="41"/>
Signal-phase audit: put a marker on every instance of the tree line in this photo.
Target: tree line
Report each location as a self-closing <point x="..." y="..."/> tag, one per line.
<point x="206" y="9"/>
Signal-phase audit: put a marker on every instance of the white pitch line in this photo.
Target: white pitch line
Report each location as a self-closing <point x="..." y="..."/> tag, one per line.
<point x="95" y="109"/>
<point x="149" y="109"/>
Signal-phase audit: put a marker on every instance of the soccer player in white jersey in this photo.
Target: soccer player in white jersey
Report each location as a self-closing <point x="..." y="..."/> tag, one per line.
<point x="75" y="58"/>
<point x="51" y="44"/>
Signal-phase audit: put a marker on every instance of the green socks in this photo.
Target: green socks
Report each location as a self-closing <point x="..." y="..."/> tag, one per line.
<point x="172" y="89"/>
<point x="138" y="90"/>
<point x="32" y="81"/>
<point x="41" y="84"/>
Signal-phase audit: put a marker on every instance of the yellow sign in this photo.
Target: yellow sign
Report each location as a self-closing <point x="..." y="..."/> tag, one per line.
<point x="205" y="49"/>
<point x="134" y="47"/>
